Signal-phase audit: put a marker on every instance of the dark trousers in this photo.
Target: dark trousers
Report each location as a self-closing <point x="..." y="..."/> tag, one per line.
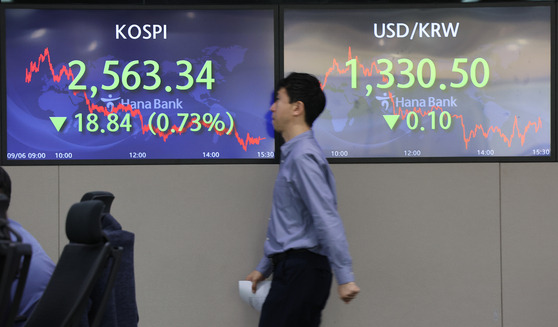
<point x="299" y="291"/>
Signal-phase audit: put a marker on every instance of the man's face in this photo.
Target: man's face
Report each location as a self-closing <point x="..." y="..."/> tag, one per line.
<point x="281" y="111"/>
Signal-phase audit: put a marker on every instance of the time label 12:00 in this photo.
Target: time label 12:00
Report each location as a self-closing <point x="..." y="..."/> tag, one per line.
<point x="131" y="80"/>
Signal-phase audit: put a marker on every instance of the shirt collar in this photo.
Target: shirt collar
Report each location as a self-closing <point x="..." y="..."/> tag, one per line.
<point x="288" y="146"/>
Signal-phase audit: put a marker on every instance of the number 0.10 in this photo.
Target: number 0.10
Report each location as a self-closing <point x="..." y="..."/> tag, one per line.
<point x="444" y="120"/>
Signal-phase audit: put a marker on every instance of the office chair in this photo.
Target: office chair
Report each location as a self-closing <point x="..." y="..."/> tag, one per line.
<point x="121" y="309"/>
<point x="12" y="267"/>
<point x="66" y="298"/>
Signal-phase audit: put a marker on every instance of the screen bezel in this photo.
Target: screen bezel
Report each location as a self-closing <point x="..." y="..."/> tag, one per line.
<point x="279" y="72"/>
<point x="3" y="92"/>
<point x="456" y="159"/>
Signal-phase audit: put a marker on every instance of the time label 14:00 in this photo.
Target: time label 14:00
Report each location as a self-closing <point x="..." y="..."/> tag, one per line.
<point x="386" y="69"/>
<point x="131" y="80"/>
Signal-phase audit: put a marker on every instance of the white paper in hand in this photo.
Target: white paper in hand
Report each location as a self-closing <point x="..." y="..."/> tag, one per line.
<point x="254" y="300"/>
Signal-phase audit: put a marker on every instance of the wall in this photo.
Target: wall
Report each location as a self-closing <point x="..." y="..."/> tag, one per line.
<point x="433" y="245"/>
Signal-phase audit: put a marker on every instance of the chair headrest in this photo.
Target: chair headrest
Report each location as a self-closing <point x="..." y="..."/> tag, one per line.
<point x="83" y="223"/>
<point x="104" y="196"/>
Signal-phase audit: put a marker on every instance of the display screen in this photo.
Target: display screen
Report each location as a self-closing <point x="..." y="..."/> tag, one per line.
<point x="453" y="83"/>
<point x="164" y="84"/>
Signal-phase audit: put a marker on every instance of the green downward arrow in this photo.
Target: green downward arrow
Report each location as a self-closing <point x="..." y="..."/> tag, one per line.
<point x="391" y="120"/>
<point x="58" y="122"/>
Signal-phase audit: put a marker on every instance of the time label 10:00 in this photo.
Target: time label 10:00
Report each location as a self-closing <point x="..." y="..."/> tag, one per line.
<point x="131" y="80"/>
<point x="424" y="80"/>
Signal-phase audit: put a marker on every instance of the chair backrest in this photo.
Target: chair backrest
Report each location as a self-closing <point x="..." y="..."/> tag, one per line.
<point x="65" y="300"/>
<point x="4" y="203"/>
<point x="15" y="258"/>
<point x="121" y="309"/>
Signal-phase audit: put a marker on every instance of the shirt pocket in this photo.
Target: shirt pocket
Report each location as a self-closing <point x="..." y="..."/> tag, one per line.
<point x="282" y="194"/>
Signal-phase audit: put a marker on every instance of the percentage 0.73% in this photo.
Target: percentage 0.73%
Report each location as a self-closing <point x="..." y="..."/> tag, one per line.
<point x="193" y="121"/>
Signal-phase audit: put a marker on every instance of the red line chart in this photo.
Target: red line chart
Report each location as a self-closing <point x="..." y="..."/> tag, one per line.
<point x="34" y="67"/>
<point x="517" y="131"/>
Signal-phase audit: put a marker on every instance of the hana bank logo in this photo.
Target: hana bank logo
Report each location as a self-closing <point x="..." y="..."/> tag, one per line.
<point x="109" y="102"/>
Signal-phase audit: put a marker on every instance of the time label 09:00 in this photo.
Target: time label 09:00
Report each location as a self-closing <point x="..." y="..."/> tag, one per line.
<point x="36" y="155"/>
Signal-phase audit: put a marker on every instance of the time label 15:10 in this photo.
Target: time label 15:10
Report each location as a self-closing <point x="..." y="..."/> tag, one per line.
<point x="426" y="81"/>
<point x="131" y="80"/>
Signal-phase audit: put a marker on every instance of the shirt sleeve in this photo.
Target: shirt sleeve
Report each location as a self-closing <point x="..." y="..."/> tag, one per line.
<point x="317" y="189"/>
<point x="265" y="266"/>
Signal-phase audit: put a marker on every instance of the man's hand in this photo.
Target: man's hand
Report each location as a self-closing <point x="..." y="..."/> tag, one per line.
<point x="348" y="291"/>
<point x="255" y="277"/>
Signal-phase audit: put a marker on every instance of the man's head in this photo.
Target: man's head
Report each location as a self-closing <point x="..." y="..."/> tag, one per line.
<point x="306" y="89"/>
<point x="5" y="183"/>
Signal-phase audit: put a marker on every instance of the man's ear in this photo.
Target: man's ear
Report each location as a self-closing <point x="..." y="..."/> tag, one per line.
<point x="299" y="108"/>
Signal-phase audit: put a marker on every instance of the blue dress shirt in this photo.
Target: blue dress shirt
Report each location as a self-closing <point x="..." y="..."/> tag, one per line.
<point x="40" y="271"/>
<point x="304" y="211"/>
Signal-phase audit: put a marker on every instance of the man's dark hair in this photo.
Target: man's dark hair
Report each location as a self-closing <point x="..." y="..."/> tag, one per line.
<point x="307" y="89"/>
<point x="5" y="183"/>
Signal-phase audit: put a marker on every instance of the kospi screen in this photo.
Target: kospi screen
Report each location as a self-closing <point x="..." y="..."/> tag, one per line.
<point x="137" y="85"/>
<point x="429" y="83"/>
